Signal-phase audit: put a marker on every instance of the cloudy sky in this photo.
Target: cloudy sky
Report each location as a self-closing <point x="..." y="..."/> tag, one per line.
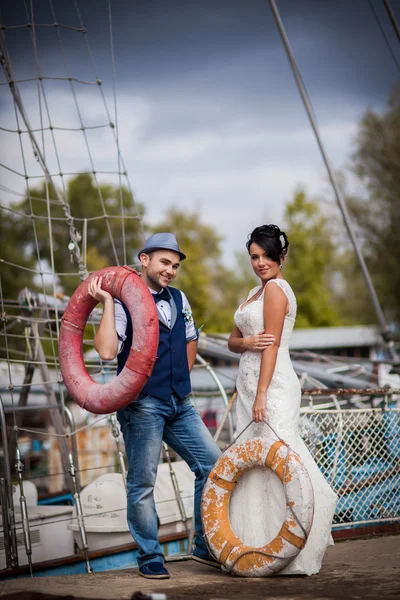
<point x="209" y="115"/>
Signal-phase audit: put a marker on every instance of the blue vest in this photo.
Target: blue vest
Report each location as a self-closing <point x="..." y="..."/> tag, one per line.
<point x="171" y="372"/>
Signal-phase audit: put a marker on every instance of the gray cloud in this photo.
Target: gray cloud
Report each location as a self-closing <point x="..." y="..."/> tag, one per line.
<point x="209" y="114"/>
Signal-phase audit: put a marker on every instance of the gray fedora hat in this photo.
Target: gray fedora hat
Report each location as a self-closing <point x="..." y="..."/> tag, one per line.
<point x="161" y="241"/>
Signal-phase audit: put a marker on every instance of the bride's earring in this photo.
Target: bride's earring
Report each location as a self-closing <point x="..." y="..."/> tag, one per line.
<point x="281" y="266"/>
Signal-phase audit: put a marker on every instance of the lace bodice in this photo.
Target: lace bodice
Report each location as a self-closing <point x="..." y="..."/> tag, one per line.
<point x="250" y="318"/>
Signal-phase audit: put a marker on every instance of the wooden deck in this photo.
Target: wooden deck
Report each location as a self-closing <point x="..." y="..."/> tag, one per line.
<point x="363" y="568"/>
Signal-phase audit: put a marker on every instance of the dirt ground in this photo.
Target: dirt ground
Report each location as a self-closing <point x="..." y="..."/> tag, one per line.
<point x="366" y="569"/>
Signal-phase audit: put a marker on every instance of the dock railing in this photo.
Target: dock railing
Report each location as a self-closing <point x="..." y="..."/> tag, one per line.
<point x="358" y="451"/>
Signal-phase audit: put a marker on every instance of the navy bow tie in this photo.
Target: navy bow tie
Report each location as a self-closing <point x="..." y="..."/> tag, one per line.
<point x="164" y="295"/>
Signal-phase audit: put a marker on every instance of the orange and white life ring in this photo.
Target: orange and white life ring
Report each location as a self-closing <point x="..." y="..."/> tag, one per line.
<point x="230" y="551"/>
<point x="125" y="284"/>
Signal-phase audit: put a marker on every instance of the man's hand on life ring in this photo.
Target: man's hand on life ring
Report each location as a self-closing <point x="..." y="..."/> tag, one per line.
<point x="125" y="285"/>
<point x="259" y="411"/>
<point x="94" y="289"/>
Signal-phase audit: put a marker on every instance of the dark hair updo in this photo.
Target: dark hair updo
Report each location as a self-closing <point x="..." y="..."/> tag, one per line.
<point x="271" y="239"/>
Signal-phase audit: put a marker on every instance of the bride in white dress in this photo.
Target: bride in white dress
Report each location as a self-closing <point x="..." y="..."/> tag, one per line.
<point x="269" y="390"/>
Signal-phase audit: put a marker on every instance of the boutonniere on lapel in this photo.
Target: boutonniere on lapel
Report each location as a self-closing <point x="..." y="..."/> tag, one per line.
<point x="187" y="315"/>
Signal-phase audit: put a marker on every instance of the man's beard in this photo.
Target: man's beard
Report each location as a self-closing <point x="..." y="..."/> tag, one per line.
<point x="156" y="282"/>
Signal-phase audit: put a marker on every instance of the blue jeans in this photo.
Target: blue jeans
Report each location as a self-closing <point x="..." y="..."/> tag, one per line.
<point x="145" y="424"/>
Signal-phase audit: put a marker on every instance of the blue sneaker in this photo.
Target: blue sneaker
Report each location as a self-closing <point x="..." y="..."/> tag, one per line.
<point x="154" y="570"/>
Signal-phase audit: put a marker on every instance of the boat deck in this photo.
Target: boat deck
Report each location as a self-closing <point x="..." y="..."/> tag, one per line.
<point x="366" y="568"/>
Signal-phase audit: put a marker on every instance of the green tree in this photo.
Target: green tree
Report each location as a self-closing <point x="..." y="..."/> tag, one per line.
<point x="99" y="233"/>
<point x="14" y="252"/>
<point x="377" y="162"/>
<point x="201" y="245"/>
<point x="28" y="237"/>
<point x="214" y="291"/>
<point x="15" y="274"/>
<point x="310" y="263"/>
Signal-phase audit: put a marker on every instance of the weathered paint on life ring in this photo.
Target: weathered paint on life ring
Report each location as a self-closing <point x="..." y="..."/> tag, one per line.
<point x="230" y="551"/>
<point x="125" y="284"/>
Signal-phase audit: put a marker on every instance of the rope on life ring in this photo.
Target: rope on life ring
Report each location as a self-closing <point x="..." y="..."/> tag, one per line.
<point x="125" y="284"/>
<point x="228" y="549"/>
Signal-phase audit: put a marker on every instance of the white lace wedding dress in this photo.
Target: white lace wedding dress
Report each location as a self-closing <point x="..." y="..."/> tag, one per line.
<point x="257" y="505"/>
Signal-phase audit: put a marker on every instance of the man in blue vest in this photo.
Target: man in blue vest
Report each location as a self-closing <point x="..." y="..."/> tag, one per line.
<point x="162" y="411"/>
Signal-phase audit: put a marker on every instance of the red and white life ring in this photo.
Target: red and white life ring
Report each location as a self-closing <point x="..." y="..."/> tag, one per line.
<point x="125" y="284"/>
<point x="229" y="550"/>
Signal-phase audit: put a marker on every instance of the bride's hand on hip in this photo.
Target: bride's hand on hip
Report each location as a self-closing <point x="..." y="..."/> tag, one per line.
<point x="259" y="341"/>
<point x="259" y="411"/>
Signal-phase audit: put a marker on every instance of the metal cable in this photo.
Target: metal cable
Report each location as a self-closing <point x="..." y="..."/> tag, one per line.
<point x="109" y="117"/>
<point x="121" y="199"/>
<point x="383" y="32"/>
<point x="79" y="112"/>
<point x="42" y="77"/>
<point x="61" y="435"/>
<point x="29" y="25"/>
<point x="49" y="222"/>
<point x="392" y="18"/>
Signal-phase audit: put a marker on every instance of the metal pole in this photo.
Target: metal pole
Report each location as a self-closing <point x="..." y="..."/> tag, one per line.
<point x="24" y="512"/>
<point x="392" y="17"/>
<point x="225" y="416"/>
<point x="205" y="364"/>
<point x="29" y="372"/>
<point x="79" y="514"/>
<point x="10" y="537"/>
<point x="31" y="407"/>
<point x="115" y="433"/>
<point x="55" y="415"/>
<point x="385" y="331"/>
<point x="74" y="445"/>
<point x="189" y="524"/>
<point x="23" y="399"/>
<point x="74" y="472"/>
<point x="175" y="485"/>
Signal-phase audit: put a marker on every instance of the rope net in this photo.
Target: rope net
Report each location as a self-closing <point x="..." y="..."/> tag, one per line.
<point x="66" y="203"/>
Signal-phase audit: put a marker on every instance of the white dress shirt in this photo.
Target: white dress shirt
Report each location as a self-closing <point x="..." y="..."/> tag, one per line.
<point x="163" y="308"/>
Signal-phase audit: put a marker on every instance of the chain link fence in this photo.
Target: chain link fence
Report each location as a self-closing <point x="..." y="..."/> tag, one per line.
<point x="358" y="451"/>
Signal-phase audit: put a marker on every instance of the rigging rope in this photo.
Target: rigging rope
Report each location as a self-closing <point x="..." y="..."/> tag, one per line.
<point x="109" y="116"/>
<point x="79" y="112"/>
<point x="23" y="127"/>
<point x="383" y="32"/>
<point x="392" y="17"/>
<point x="121" y="200"/>
<point x="18" y="104"/>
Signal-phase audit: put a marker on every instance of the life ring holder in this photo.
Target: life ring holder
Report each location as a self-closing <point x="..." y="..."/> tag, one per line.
<point x="229" y="550"/>
<point x="125" y="284"/>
